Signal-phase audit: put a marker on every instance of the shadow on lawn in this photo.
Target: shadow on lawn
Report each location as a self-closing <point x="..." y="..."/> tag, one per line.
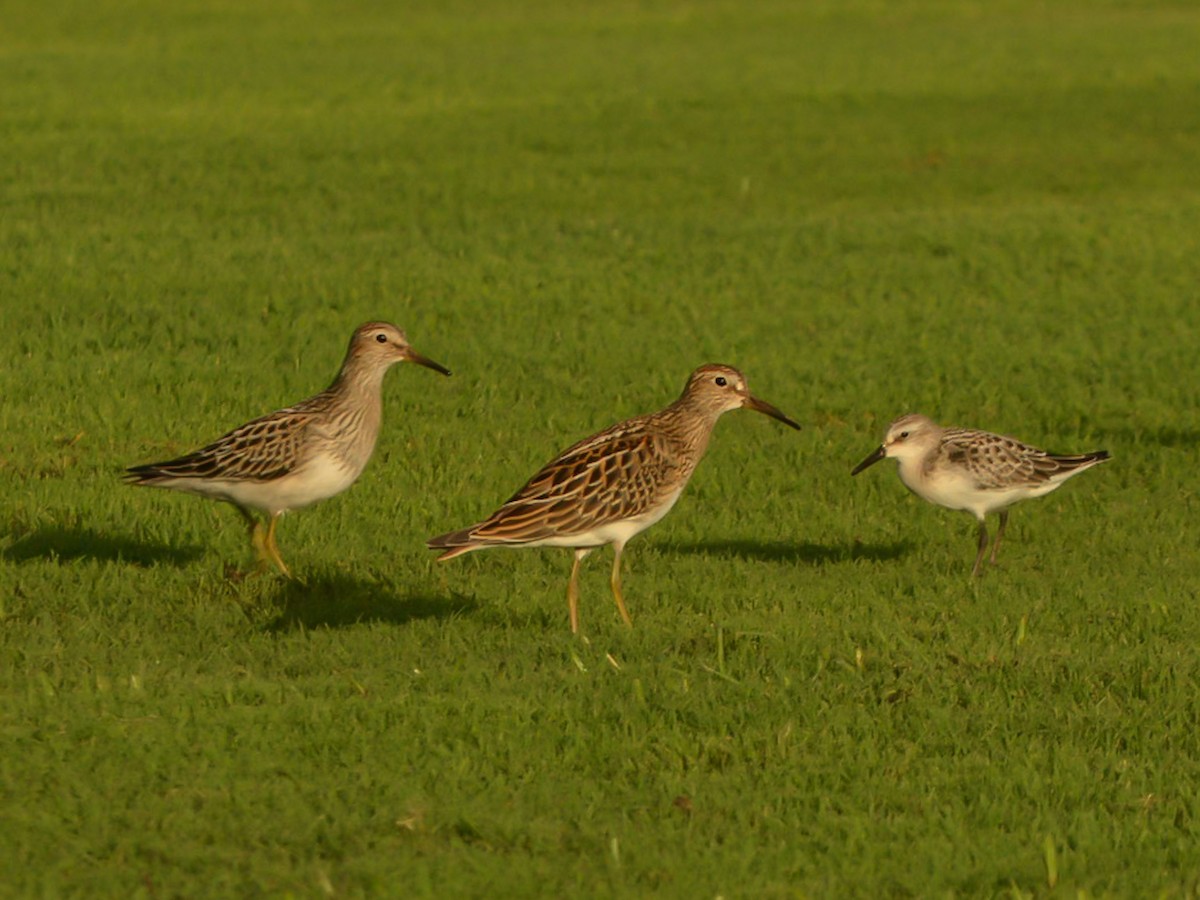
<point x="795" y="552"/>
<point x="334" y="600"/>
<point x="57" y="542"/>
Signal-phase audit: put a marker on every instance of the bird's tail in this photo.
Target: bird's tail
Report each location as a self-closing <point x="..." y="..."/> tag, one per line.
<point x="455" y="543"/>
<point x="1069" y="465"/>
<point x="147" y="474"/>
<point x="1080" y="460"/>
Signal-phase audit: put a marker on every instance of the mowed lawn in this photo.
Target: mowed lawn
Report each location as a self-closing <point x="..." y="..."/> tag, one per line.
<point x="985" y="212"/>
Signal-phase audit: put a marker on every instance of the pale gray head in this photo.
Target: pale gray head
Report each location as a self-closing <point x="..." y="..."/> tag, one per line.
<point x="910" y="436"/>
<point x="379" y="345"/>
<point x="716" y="389"/>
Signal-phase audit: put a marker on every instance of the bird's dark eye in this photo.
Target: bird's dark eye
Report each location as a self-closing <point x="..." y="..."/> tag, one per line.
<point x="721" y="382"/>
<point x="903" y="435"/>
<point x="382" y="338"/>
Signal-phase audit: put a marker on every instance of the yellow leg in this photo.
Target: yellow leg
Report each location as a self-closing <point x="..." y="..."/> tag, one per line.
<point x="257" y="537"/>
<point x="273" y="549"/>
<point x="573" y="592"/>
<point x="615" y="581"/>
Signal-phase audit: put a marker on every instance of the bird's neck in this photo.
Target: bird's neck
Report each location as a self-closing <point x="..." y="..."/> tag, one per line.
<point x="694" y="422"/>
<point x="361" y="386"/>
<point x="359" y="378"/>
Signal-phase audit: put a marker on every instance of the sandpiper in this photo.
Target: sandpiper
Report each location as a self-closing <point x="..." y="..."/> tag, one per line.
<point x="615" y="484"/>
<point x="981" y="472"/>
<point x="299" y="455"/>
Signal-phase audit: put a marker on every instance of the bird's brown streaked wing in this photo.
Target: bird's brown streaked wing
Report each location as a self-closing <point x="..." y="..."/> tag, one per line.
<point x="591" y="484"/>
<point x="261" y="450"/>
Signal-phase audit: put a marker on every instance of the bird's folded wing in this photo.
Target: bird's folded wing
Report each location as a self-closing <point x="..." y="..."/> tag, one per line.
<point x="998" y="463"/>
<point x="261" y="450"/>
<point x="616" y="475"/>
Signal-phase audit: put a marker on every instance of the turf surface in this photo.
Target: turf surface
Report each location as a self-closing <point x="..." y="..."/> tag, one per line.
<point x="983" y="212"/>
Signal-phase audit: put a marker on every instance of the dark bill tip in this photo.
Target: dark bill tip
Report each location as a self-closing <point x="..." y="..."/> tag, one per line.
<point x="413" y="356"/>
<point x="875" y="457"/>
<point x="763" y="406"/>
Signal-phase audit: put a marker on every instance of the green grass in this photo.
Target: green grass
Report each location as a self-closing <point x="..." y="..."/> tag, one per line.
<point x="982" y="211"/>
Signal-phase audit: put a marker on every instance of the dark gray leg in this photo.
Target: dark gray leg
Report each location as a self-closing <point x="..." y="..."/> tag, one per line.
<point x="999" y="535"/>
<point x="983" y="542"/>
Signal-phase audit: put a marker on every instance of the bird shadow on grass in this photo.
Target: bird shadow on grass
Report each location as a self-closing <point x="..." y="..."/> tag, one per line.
<point x="65" y="543"/>
<point x="794" y="552"/>
<point x="336" y="600"/>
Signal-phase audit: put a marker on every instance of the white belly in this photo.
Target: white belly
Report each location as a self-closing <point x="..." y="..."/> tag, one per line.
<point x="953" y="490"/>
<point x="320" y="478"/>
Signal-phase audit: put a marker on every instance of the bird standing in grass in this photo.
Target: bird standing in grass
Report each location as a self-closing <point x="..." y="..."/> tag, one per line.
<point x="978" y="471"/>
<point x="613" y="485"/>
<point x="299" y="455"/>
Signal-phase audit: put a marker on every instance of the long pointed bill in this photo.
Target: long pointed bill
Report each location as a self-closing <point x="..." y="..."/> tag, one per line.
<point x="413" y="356"/>
<point x="763" y="406"/>
<point x="880" y="453"/>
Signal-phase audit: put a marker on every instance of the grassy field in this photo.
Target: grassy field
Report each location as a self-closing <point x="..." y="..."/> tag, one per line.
<point x="986" y="212"/>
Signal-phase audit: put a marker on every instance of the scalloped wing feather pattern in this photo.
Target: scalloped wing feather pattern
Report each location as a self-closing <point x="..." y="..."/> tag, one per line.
<point x="997" y="462"/>
<point x="261" y="450"/>
<point x="615" y="475"/>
